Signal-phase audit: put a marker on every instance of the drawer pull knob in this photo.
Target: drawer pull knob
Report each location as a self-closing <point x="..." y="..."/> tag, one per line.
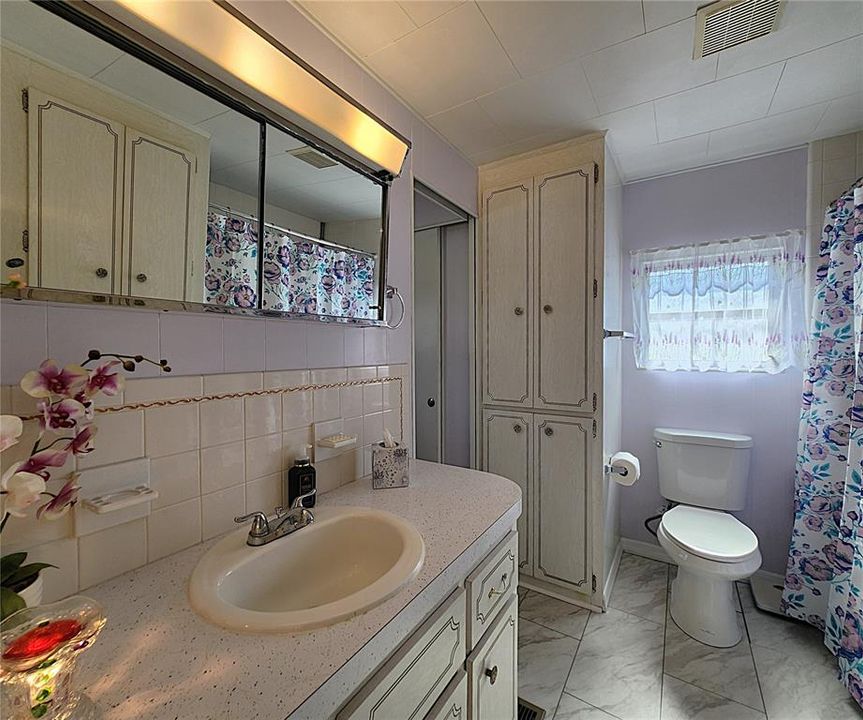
<point x="547" y="309"/>
<point x="519" y="311"/>
<point x="516" y="428"/>
<point x="492" y="592"/>
<point x="141" y="277"/>
<point x="492" y="674"/>
<point x="549" y="432"/>
<point x="101" y="272"/>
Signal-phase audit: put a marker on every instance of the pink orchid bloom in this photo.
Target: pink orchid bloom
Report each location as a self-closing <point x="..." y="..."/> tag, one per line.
<point x="82" y="443"/>
<point x="62" y="414"/>
<point x="11" y="428"/>
<point x="50" y="379"/>
<point x="40" y="461"/>
<point x="103" y="380"/>
<point x="20" y="490"/>
<point x="59" y="505"/>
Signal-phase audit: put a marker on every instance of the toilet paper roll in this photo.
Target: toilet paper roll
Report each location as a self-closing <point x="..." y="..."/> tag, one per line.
<point x="625" y="468"/>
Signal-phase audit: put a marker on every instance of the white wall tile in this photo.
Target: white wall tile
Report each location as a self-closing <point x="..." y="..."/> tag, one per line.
<point x="221" y="421"/>
<point x="25" y="340"/>
<point x="373" y="428"/>
<point x="173" y="529"/>
<point x="263" y="456"/>
<point x="192" y="344"/>
<point x="61" y="580"/>
<point x="119" y="437"/>
<point x="108" y="553"/>
<point x="244" y="344"/>
<point x="171" y="430"/>
<point x="294" y="444"/>
<point x="265" y="493"/>
<point x="362" y="373"/>
<point x="176" y="478"/>
<point x="326" y="402"/>
<point x="223" y="466"/>
<point x="296" y="409"/>
<point x="233" y="382"/>
<point x="373" y="398"/>
<point x="162" y="388"/>
<point x="263" y="415"/>
<point x="219" y="509"/>
<point x="328" y="474"/>
<point x="286" y="378"/>
<point x="354" y="346"/>
<point x="326" y="345"/>
<point x="351" y="401"/>
<point x="286" y="345"/>
<point x="375" y="345"/>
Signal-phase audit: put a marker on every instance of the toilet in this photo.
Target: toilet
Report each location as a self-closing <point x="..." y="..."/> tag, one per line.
<point x="707" y="474"/>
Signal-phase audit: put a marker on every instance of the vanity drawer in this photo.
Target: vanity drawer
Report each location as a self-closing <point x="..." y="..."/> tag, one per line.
<point x="492" y="669"/>
<point x="418" y="672"/>
<point x="490" y="586"/>
<point x="452" y="705"/>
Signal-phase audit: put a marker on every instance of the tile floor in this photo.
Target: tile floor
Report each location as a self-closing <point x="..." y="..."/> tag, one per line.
<point x="634" y="663"/>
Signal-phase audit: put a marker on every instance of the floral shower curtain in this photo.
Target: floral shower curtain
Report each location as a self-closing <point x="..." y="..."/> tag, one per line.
<point x="231" y="257"/>
<point x="824" y="574"/>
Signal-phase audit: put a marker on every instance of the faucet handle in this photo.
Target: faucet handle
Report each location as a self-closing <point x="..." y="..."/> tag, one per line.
<point x="260" y="524"/>
<point x="298" y="500"/>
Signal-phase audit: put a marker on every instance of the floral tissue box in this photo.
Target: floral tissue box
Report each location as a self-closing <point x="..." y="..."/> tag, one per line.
<point x="390" y="466"/>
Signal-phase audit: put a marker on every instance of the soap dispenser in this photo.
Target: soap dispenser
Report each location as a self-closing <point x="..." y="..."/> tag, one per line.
<point x="301" y="479"/>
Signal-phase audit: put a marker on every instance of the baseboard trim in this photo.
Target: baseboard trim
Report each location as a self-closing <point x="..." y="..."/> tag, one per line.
<point x="608" y="588"/>
<point x="645" y="549"/>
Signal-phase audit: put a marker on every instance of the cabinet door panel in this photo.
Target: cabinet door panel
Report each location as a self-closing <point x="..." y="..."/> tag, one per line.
<point x="564" y="296"/>
<point x="507" y="224"/>
<point x="493" y="671"/>
<point x="159" y="185"/>
<point x="452" y="704"/>
<point x="507" y="452"/>
<point x="563" y="455"/>
<point x="75" y="189"/>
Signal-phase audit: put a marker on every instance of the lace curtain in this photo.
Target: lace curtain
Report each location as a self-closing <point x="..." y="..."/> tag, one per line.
<point x="732" y="306"/>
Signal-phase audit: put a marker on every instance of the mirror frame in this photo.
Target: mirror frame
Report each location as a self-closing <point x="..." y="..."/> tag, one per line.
<point x="101" y="25"/>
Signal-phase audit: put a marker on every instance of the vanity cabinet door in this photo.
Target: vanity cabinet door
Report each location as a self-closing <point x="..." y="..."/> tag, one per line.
<point x="562" y="537"/>
<point x="414" y="677"/>
<point x="452" y="705"/>
<point x="564" y="302"/>
<point x="493" y="670"/>
<point x="507" y="229"/>
<point x="508" y="451"/>
<point x="75" y="195"/>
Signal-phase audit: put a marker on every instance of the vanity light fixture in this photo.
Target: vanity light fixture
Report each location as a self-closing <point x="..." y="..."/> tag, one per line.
<point x="215" y="33"/>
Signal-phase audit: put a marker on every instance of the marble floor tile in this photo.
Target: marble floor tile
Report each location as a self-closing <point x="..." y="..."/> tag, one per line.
<point x="553" y="613"/>
<point x="803" y="684"/>
<point x="729" y="672"/>
<point x="522" y="592"/>
<point x="618" y="667"/>
<point x="778" y="633"/>
<point x="641" y="588"/>
<point x="682" y="701"/>
<point x="571" y="708"/>
<point x="544" y="660"/>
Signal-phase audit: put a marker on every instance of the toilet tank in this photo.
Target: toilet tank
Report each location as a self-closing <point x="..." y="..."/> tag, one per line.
<point x="702" y="468"/>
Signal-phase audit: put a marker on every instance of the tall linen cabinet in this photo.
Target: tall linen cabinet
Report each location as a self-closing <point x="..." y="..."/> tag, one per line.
<point x="540" y="328"/>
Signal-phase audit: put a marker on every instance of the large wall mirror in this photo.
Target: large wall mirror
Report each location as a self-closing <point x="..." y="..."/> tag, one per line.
<point x="121" y="180"/>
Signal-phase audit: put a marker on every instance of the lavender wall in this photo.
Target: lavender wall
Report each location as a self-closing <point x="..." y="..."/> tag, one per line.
<point x="745" y="198"/>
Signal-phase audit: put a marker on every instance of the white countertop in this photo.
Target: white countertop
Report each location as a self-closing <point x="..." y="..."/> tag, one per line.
<point x="157" y="659"/>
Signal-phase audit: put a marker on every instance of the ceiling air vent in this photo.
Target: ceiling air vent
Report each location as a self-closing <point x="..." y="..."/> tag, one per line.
<point x="312" y="157"/>
<point x="727" y="23"/>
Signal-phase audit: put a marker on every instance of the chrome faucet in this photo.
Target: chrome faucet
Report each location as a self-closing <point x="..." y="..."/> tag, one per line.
<point x="262" y="533"/>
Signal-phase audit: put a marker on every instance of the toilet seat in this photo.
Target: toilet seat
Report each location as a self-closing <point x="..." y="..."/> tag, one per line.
<point x="709" y="534"/>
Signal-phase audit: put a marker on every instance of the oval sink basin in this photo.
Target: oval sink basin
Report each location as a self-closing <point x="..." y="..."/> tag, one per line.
<point x="349" y="560"/>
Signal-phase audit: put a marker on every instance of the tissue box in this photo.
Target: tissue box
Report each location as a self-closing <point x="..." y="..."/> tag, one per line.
<point x="390" y="466"/>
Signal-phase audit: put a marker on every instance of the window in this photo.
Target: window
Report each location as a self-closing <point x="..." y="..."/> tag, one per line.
<point x="732" y="305"/>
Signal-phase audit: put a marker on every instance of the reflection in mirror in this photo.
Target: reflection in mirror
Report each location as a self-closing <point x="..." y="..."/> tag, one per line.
<point x="322" y="233"/>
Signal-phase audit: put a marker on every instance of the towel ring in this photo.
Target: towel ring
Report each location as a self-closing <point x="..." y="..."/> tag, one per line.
<point x="389" y="293"/>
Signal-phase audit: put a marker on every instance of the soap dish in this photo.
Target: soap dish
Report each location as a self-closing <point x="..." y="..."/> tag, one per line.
<point x="110" y="502"/>
<point x="337" y="441"/>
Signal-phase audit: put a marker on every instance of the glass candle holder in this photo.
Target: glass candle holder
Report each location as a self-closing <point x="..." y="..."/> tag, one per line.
<point x="39" y="649"/>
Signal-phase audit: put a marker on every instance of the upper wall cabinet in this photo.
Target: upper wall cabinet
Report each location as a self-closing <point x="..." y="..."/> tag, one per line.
<point x="129" y="184"/>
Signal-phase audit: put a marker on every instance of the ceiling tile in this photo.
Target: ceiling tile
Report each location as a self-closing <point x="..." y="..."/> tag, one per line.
<point x="803" y="26"/>
<point x="841" y="116"/>
<point x="776" y="132"/>
<point x="540" y="35"/>
<point x="445" y="63"/>
<point x="469" y="128"/>
<point x="659" y="13"/>
<point x="650" y="66"/>
<point x="558" y="99"/>
<point x="663" y="158"/>
<point x="234" y="139"/>
<point x="823" y="74"/>
<point x="424" y="11"/>
<point x="242" y="177"/>
<point x="363" y="26"/>
<point x="725" y="102"/>
<point x="520" y="146"/>
<point x="628" y="129"/>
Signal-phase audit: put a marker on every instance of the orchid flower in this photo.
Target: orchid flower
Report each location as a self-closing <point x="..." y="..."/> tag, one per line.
<point x="39" y="461"/>
<point x="103" y="380"/>
<point x="82" y="443"/>
<point x="60" y="503"/>
<point x="50" y="379"/>
<point x="20" y="489"/>
<point x="62" y="414"/>
<point x="11" y="428"/>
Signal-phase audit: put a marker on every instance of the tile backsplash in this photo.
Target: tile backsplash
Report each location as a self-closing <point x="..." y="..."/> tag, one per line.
<point x="209" y="461"/>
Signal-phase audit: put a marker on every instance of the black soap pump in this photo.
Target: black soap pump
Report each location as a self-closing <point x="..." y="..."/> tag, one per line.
<point x="301" y="479"/>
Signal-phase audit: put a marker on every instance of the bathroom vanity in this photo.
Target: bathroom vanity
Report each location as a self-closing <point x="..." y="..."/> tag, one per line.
<point x="444" y="646"/>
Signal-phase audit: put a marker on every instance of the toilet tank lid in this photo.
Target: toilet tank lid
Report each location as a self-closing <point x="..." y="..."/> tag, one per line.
<point x="703" y="437"/>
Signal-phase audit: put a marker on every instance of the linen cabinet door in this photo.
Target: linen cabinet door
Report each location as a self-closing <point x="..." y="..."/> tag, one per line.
<point x="507" y="451"/>
<point x="493" y="669"/>
<point x="159" y="186"/>
<point x="562" y="533"/>
<point x="75" y="193"/>
<point x="564" y="304"/>
<point x="507" y="289"/>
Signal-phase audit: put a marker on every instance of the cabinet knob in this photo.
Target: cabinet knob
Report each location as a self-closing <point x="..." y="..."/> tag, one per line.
<point x="519" y="310"/>
<point x="549" y="432"/>
<point x="101" y="273"/>
<point x="492" y="674"/>
<point x="430" y="402"/>
<point x="547" y="309"/>
<point x="516" y="428"/>
<point x="141" y="277"/>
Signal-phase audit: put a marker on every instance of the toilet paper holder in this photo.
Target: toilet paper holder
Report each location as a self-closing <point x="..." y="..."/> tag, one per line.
<point x="622" y="471"/>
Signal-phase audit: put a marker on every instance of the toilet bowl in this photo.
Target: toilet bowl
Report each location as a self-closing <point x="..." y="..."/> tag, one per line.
<point x="712" y="550"/>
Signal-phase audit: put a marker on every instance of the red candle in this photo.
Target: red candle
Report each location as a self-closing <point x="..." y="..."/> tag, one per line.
<point x="42" y="640"/>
